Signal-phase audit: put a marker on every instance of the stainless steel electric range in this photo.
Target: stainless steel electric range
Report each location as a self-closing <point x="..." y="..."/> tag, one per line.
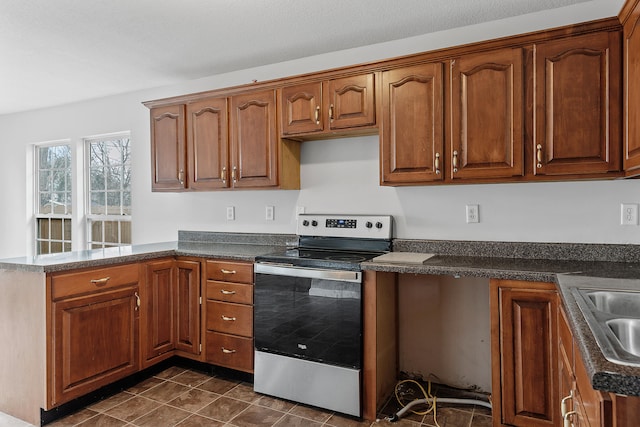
<point x="308" y="311"/>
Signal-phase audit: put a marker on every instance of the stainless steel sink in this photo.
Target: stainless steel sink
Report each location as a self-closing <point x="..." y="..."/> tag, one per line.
<point x="627" y="331"/>
<point x="619" y="303"/>
<point x="614" y="318"/>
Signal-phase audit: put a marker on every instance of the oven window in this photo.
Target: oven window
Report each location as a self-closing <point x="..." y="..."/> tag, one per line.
<point x="313" y="319"/>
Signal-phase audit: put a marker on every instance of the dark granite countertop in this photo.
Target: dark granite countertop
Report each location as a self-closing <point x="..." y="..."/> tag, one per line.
<point x="134" y="253"/>
<point x="567" y="265"/>
<point x="604" y="375"/>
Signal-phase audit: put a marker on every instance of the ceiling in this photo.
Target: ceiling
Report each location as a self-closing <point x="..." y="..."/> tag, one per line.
<point x="62" y="51"/>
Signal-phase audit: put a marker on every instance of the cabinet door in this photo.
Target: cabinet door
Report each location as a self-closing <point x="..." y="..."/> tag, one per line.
<point x="301" y="108"/>
<point x="95" y="342"/>
<point x="577" y="105"/>
<point x="168" y="149"/>
<point x="632" y="93"/>
<point x="254" y="140"/>
<point x="351" y="102"/>
<point x="207" y="142"/>
<point x="158" y="302"/>
<point x="487" y="102"/>
<point x="412" y="138"/>
<point x="188" y="306"/>
<point x="526" y="346"/>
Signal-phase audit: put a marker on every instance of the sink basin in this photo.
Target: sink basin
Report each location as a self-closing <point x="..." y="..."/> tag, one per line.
<point x="614" y="318"/>
<point x="618" y="303"/>
<point x="627" y="331"/>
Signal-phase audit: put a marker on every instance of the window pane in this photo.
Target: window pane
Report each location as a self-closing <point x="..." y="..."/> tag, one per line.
<point x="111" y="232"/>
<point x="110" y="190"/>
<point x="56" y="229"/>
<point x="125" y="232"/>
<point x="67" y="229"/>
<point x="43" y="247"/>
<point x="96" y="231"/>
<point x="98" y="203"/>
<point x="43" y="228"/>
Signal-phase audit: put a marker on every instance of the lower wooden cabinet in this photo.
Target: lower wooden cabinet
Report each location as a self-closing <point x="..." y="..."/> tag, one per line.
<point x="524" y="353"/>
<point x="170" y="315"/>
<point x="229" y="315"/>
<point x="94" y="330"/>
<point x="581" y="405"/>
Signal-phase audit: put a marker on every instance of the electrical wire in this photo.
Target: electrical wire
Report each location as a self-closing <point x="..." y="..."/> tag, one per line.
<point x="429" y="400"/>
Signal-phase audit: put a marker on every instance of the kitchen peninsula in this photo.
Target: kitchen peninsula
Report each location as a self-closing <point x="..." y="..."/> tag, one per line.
<point x="34" y="288"/>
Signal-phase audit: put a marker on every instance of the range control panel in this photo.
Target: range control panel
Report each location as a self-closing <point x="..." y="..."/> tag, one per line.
<point x="354" y="226"/>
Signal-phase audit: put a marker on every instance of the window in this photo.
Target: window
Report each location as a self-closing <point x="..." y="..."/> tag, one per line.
<point x="53" y="206"/>
<point x="109" y="191"/>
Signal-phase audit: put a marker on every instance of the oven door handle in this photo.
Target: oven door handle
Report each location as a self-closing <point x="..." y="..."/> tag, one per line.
<point x="306" y="272"/>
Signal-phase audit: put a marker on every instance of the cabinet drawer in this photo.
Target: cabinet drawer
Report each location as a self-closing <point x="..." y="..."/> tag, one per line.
<point x="94" y="280"/>
<point x="230" y="292"/>
<point x="227" y="271"/>
<point x="230" y="318"/>
<point x="230" y="351"/>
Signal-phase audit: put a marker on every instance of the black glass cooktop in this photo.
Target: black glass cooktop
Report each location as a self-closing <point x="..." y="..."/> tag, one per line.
<point x="320" y="258"/>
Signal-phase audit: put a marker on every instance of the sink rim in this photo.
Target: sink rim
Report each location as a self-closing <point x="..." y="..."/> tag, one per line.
<point x="608" y="343"/>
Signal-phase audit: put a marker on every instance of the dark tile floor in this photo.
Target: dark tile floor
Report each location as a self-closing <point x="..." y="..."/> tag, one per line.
<point x="186" y="398"/>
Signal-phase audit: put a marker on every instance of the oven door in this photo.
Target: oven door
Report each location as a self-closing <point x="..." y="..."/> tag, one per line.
<point x="308" y="336"/>
<point x="310" y="314"/>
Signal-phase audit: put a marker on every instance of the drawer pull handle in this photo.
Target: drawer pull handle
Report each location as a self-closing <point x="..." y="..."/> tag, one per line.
<point x="100" y="282"/>
<point x="228" y="319"/>
<point x="227" y="351"/>
<point x="227" y="271"/>
<point x="225" y="292"/>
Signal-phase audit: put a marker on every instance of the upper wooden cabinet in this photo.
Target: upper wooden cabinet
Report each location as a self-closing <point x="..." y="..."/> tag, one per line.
<point x="631" y="49"/>
<point x="333" y="105"/>
<point x="254" y="140"/>
<point x="535" y="107"/>
<point x="577" y="102"/>
<point x="487" y="112"/>
<point x="207" y="144"/>
<point x="168" y="149"/>
<point x="412" y="131"/>
<point x="224" y="149"/>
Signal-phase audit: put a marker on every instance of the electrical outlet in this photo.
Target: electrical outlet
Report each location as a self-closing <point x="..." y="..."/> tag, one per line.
<point x="473" y="214"/>
<point x="629" y="214"/>
<point x="269" y="213"/>
<point x="231" y="213"/>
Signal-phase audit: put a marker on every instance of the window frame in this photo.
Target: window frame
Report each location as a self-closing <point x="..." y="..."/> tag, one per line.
<point x="90" y="218"/>
<point x="64" y="217"/>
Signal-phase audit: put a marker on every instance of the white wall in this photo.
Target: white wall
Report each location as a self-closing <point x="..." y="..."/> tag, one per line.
<point x="336" y="175"/>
